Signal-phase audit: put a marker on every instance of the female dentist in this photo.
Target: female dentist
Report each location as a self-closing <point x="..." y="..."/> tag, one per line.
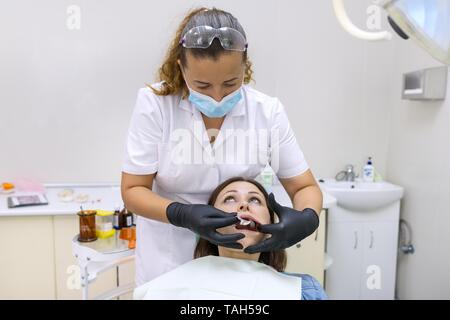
<point x="200" y="106"/>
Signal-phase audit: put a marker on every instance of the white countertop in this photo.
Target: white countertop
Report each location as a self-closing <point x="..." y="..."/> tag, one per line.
<point x="108" y="194"/>
<point x="102" y="197"/>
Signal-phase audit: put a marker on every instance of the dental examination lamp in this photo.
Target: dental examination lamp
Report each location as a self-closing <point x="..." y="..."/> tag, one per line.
<point x="427" y="22"/>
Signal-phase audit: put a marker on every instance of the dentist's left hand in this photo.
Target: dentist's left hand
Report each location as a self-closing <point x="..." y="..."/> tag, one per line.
<point x="204" y="220"/>
<point x="293" y="226"/>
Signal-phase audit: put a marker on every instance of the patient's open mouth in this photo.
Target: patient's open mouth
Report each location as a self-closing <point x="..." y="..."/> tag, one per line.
<point x="247" y="222"/>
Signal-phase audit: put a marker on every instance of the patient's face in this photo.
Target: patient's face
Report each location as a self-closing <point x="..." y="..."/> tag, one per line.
<point x="246" y="199"/>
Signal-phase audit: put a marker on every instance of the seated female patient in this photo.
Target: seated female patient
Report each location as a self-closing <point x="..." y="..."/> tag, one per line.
<point x="249" y="199"/>
<point x="223" y="273"/>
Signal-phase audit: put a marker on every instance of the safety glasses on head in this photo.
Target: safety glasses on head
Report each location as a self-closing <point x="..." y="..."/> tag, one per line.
<point x="201" y="37"/>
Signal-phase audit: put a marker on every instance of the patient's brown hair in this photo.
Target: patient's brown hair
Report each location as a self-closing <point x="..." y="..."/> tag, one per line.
<point x="275" y="259"/>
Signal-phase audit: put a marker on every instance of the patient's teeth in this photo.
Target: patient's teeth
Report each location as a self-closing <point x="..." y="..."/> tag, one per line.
<point x="243" y="222"/>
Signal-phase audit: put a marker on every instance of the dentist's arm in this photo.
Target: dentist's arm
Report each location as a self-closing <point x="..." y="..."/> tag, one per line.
<point x="139" y="198"/>
<point x="304" y="192"/>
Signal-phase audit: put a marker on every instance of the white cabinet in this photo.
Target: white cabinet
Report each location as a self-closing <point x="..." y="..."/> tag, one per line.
<point x="379" y="260"/>
<point x="36" y="260"/>
<point x="27" y="262"/>
<point x="363" y="249"/>
<point x="344" y="247"/>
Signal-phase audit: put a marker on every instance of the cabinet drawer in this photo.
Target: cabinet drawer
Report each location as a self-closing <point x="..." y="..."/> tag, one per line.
<point x="26" y="258"/>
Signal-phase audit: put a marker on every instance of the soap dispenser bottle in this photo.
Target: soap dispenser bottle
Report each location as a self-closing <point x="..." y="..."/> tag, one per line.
<point x="368" y="171"/>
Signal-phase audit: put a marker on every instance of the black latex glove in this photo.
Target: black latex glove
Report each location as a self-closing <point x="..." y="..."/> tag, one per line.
<point x="293" y="226"/>
<point x="204" y="220"/>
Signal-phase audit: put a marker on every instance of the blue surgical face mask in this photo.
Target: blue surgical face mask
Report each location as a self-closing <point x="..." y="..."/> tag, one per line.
<point x="210" y="107"/>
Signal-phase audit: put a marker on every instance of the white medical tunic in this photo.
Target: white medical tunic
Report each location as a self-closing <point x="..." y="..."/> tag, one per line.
<point x="167" y="136"/>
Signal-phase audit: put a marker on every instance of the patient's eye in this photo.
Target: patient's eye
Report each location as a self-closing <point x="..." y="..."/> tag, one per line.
<point x="229" y="199"/>
<point x="255" y="200"/>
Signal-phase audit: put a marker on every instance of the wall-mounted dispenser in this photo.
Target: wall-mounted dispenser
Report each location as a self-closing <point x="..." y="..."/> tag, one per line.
<point x="425" y="84"/>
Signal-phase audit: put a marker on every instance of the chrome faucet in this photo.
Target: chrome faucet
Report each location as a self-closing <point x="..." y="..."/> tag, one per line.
<point x="348" y="174"/>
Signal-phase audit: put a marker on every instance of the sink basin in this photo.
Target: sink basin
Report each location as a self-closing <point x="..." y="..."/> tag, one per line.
<point x="362" y="196"/>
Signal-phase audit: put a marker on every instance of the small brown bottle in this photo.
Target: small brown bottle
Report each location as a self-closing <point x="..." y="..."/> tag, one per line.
<point x="127" y="219"/>
<point x="87" y="225"/>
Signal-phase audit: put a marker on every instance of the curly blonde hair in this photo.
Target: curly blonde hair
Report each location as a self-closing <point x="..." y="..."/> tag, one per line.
<point x="170" y="75"/>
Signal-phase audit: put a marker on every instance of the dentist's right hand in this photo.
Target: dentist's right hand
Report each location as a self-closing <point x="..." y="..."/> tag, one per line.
<point x="204" y="219"/>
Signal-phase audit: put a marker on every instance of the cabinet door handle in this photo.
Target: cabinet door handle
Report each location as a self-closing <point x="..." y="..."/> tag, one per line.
<point x="356" y="240"/>
<point x="371" y="239"/>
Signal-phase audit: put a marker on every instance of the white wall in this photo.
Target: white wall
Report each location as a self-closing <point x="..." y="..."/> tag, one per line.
<point x="66" y="96"/>
<point x="333" y="85"/>
<point x="418" y="159"/>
